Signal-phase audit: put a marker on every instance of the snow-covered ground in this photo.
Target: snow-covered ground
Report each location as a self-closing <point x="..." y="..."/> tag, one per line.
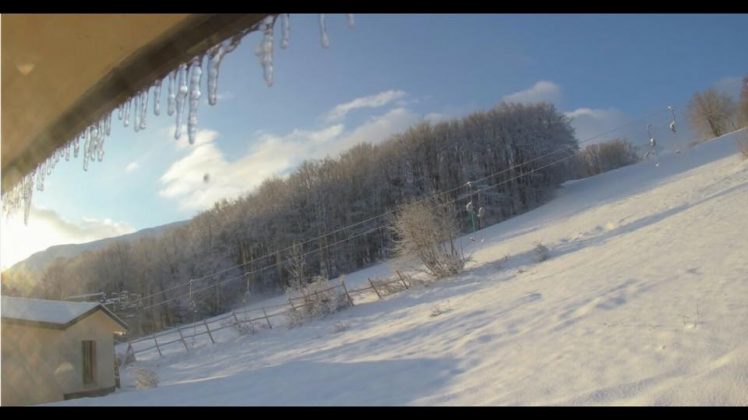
<point x="644" y="301"/>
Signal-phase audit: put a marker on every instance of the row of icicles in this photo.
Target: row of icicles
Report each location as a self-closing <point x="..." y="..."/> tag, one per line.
<point x="183" y="95"/>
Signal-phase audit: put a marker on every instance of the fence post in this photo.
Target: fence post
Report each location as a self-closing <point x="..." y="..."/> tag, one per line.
<point x="155" y="340"/>
<point x="130" y="350"/>
<point x="267" y="318"/>
<point x="236" y="319"/>
<point x="350" y="300"/>
<point x="209" y="334"/>
<point x="375" y="289"/>
<point x="181" y="337"/>
<point x="402" y="279"/>
<point x="290" y="302"/>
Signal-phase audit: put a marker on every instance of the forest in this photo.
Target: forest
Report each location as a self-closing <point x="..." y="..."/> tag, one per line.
<point x="331" y="216"/>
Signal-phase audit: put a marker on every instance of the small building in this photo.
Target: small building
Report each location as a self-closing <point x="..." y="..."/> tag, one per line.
<point x="54" y="350"/>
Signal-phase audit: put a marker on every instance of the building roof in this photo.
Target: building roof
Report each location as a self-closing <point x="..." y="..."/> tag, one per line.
<point x="57" y="314"/>
<point x="86" y="296"/>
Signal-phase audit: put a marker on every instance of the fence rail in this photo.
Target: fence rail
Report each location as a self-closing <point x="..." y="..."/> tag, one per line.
<point x="264" y="314"/>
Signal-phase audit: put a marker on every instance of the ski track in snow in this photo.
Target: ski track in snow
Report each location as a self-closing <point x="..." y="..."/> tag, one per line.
<point x="644" y="301"/>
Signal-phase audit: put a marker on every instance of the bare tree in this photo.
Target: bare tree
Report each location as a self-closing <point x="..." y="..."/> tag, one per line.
<point x="711" y="113"/>
<point x="602" y="157"/>
<point x="296" y="266"/>
<point x="427" y="229"/>
<point x="743" y="104"/>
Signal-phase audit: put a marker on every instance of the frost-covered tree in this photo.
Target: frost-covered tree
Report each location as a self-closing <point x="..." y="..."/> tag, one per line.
<point x="711" y="113"/>
<point x="743" y="104"/>
<point x="606" y="156"/>
<point x="428" y="229"/>
<point x="513" y="155"/>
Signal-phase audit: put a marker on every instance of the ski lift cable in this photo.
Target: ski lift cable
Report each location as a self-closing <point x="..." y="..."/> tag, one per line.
<point x="434" y="195"/>
<point x="273" y="266"/>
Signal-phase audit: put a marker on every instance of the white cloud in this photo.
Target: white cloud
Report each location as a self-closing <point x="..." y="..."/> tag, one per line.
<point x="371" y="101"/>
<point x="588" y="123"/>
<point x="379" y="128"/>
<point x="47" y="228"/>
<point x="185" y="180"/>
<point x="542" y="91"/>
<point x="132" y="166"/>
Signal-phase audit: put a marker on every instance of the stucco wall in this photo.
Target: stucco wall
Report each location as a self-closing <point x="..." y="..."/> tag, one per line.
<point x="42" y="364"/>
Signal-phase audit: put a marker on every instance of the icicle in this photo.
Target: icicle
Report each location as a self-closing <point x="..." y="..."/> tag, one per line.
<point x="96" y="140"/>
<point x="120" y="111"/>
<point x="196" y="72"/>
<point x="286" y="26"/>
<point x="143" y="108"/>
<point x="76" y="147"/>
<point x="108" y="125"/>
<point x="40" y="178"/>
<point x="351" y="20"/>
<point x="136" y="113"/>
<point x="323" y="30"/>
<point x="28" y="192"/>
<point x="181" y="98"/>
<point x="127" y="112"/>
<point x="231" y="45"/>
<point x="264" y="51"/>
<point x="172" y="93"/>
<point x="214" y="62"/>
<point x="67" y="152"/>
<point x="87" y="148"/>
<point x="157" y="98"/>
<point x="672" y="122"/>
<point x="100" y="143"/>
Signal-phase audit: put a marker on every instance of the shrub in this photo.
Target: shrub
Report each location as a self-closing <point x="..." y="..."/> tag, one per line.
<point x="427" y="229"/>
<point x="542" y="252"/>
<point x="145" y="378"/>
<point x="388" y="286"/>
<point x="437" y="310"/>
<point x="317" y="299"/>
<point x="242" y="328"/>
<point x="341" y="326"/>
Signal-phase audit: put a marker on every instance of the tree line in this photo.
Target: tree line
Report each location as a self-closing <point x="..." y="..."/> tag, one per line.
<point x="506" y="161"/>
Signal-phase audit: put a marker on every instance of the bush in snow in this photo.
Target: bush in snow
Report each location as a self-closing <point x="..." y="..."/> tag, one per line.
<point x="388" y="286"/>
<point x="145" y="378"/>
<point x="440" y="309"/>
<point x="340" y="327"/>
<point x="427" y="229"/>
<point x="242" y="328"/>
<point x="317" y="299"/>
<point x="542" y="252"/>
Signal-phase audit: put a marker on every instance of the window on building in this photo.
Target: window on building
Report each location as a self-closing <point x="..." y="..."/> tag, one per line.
<point x="89" y="361"/>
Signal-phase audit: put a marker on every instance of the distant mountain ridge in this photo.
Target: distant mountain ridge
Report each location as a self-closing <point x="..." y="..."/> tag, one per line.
<point x="38" y="262"/>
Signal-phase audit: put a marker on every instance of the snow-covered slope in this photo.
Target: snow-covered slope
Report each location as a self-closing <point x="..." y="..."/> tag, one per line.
<point x="643" y="301"/>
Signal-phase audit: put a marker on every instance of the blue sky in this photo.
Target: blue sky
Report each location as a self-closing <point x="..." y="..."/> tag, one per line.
<point x="377" y="78"/>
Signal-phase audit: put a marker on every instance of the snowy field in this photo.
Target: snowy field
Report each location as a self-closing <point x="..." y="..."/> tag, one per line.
<point x="643" y="301"/>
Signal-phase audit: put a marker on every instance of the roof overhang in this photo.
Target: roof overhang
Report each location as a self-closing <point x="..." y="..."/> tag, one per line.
<point x="61" y="73"/>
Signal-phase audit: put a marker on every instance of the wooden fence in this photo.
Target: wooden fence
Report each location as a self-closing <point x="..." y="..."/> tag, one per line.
<point x="248" y="317"/>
